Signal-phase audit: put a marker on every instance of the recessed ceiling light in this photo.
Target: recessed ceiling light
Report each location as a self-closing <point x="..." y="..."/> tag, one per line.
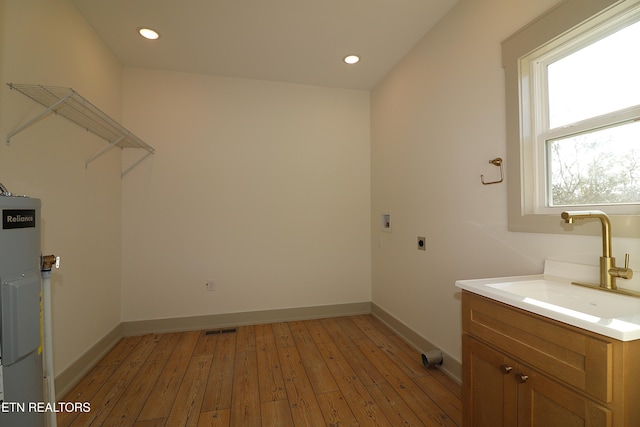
<point x="352" y="59"/>
<point x="148" y="33"/>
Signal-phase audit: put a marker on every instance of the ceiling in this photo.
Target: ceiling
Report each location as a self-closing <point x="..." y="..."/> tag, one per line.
<point x="295" y="41"/>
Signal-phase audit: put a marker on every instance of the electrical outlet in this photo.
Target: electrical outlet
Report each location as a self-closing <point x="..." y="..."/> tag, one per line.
<point x="211" y="285"/>
<point x="385" y="222"/>
<point x="422" y="243"/>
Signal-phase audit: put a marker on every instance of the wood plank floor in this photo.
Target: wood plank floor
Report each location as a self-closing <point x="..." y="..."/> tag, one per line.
<point x="345" y="371"/>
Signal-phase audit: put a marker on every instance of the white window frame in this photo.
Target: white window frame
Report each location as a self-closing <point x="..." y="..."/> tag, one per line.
<point x="565" y="25"/>
<point x="535" y="109"/>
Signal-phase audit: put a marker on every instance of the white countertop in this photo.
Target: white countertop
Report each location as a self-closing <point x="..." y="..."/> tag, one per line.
<point x="553" y="296"/>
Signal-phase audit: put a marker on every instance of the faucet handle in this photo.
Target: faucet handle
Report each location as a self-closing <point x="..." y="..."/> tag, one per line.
<point x="622" y="272"/>
<point x="628" y="273"/>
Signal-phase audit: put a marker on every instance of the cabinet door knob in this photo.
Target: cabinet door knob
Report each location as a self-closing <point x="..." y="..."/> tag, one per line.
<point x="506" y="369"/>
<point x="522" y="378"/>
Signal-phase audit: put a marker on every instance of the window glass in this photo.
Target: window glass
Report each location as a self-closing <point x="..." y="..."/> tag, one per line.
<point x="596" y="168"/>
<point x="597" y="79"/>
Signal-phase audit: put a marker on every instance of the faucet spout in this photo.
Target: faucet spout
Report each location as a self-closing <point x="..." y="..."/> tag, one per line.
<point x="570" y="216"/>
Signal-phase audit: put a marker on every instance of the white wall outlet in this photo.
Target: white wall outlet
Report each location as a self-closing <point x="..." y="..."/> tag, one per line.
<point x="211" y="285"/>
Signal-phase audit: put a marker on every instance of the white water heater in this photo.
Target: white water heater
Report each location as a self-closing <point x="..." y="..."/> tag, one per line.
<point x="21" y="377"/>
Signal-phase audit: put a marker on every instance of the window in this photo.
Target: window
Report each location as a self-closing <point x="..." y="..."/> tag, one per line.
<point x="584" y="107"/>
<point x="574" y="134"/>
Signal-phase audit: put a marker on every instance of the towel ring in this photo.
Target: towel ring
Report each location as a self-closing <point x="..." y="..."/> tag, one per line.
<point x="496" y="162"/>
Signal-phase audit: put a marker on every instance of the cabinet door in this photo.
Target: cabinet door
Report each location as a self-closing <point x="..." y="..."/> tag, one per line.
<point x="544" y="402"/>
<point x="489" y="389"/>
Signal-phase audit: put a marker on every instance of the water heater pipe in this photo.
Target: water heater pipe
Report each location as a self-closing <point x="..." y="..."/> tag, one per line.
<point x="48" y="261"/>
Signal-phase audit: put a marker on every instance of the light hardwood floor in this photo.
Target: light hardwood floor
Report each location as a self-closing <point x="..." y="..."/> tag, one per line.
<point x="345" y="371"/>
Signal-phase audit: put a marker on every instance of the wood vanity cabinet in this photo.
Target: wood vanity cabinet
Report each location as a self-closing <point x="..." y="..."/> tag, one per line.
<point x="521" y="369"/>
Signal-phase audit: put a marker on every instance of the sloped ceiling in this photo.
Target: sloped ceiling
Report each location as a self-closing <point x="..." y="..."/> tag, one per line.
<point x="295" y="41"/>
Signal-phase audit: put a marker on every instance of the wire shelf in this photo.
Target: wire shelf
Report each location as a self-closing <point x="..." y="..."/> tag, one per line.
<point x="69" y="104"/>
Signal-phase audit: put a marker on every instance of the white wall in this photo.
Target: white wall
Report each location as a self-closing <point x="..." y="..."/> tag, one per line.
<point x="263" y="187"/>
<point x="48" y="42"/>
<point x="437" y="120"/>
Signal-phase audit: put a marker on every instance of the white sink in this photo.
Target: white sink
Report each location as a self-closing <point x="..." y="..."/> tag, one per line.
<point x="614" y="315"/>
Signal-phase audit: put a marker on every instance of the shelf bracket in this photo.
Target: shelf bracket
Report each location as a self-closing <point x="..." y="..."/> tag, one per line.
<point x="126" y="171"/>
<point x="36" y="118"/>
<point x="104" y="150"/>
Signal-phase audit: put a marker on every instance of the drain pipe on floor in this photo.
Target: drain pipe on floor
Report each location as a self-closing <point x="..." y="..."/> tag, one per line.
<point x="432" y="358"/>
<point x="48" y="261"/>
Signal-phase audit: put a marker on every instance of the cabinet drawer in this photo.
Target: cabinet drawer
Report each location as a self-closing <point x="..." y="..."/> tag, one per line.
<point x="568" y="354"/>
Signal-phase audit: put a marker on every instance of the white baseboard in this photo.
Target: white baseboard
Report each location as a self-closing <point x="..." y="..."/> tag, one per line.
<point x="450" y="366"/>
<point x="72" y="375"/>
<point x="216" y="321"/>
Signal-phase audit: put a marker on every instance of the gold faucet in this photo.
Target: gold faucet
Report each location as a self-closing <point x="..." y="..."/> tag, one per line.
<point x="608" y="270"/>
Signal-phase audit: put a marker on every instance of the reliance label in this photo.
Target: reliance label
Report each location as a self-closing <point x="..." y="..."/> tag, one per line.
<point x="18" y="218"/>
